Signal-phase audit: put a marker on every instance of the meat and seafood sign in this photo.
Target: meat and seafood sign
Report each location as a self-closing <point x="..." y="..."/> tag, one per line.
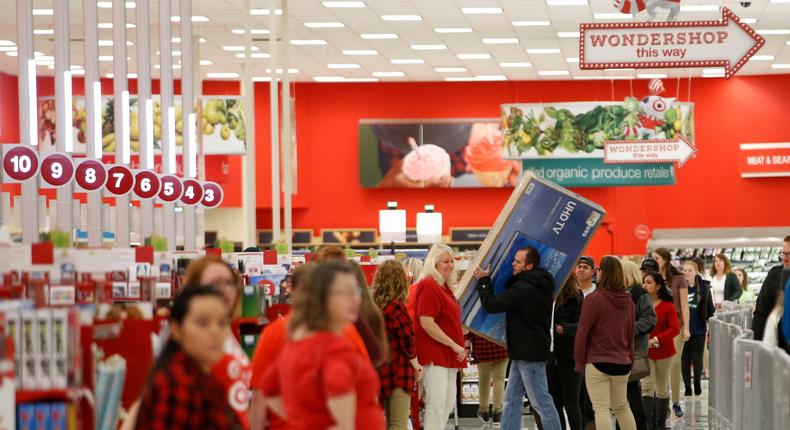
<point x="727" y="43"/>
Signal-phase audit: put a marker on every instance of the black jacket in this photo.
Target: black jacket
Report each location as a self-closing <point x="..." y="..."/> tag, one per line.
<point x="527" y="300"/>
<point x="732" y="287"/>
<point x="566" y="315"/>
<point x="705" y="298"/>
<point x="766" y="301"/>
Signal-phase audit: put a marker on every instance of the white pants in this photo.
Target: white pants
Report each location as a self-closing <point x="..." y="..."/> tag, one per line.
<point x="440" y="391"/>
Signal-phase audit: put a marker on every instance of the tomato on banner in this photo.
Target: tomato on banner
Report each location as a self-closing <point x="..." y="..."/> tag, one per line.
<point x="146" y="184"/>
<point x="120" y="180"/>
<point x="90" y="175"/>
<point x="20" y="163"/>
<point x="193" y="192"/>
<point x="171" y="188"/>
<point x="57" y="169"/>
<point x="212" y="195"/>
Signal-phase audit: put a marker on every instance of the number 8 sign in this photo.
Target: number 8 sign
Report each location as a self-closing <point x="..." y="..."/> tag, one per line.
<point x="91" y="175"/>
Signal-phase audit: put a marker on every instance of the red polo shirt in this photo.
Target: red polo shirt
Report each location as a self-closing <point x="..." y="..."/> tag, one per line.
<point x="438" y="302"/>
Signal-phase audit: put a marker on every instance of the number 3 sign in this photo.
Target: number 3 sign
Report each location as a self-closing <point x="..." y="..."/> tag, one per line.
<point x="20" y="163"/>
<point x="212" y="195"/>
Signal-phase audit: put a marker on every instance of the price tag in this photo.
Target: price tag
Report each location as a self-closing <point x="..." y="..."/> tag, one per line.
<point x="193" y="192"/>
<point x="20" y="163"/>
<point x="120" y="180"/>
<point x="146" y="184"/>
<point x="57" y="169"/>
<point x="212" y="195"/>
<point x="90" y="175"/>
<point x="171" y="188"/>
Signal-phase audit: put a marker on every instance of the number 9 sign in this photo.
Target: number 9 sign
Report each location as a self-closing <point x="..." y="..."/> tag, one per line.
<point x="91" y="175"/>
<point x="57" y="169"/>
<point x="171" y="188"/>
<point x="212" y="195"/>
<point x="20" y="163"/>
<point x="193" y="192"/>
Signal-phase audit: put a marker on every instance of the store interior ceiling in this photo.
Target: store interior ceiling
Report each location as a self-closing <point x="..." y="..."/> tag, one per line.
<point x="397" y="40"/>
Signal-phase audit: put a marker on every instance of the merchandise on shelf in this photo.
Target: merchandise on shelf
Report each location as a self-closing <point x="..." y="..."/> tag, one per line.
<point x="756" y="261"/>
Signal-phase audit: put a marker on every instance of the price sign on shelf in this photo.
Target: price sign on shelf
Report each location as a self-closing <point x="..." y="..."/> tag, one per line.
<point x="171" y="188"/>
<point x="212" y="195"/>
<point x="20" y="163"/>
<point x="193" y="192"/>
<point x="57" y="169"/>
<point x="120" y="180"/>
<point x="146" y="184"/>
<point x="90" y="175"/>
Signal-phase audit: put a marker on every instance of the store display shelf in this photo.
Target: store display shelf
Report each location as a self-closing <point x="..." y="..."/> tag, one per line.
<point x="29" y="396"/>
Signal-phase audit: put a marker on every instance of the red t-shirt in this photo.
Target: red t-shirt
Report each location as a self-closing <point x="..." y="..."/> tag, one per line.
<point x="310" y="371"/>
<point x="234" y="373"/>
<point x="438" y="302"/>
<point x="666" y="328"/>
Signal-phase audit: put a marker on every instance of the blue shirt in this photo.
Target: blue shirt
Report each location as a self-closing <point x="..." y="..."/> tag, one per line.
<point x="697" y="323"/>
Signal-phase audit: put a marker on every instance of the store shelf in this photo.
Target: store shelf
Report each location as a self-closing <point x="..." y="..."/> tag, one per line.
<point x="30" y="396"/>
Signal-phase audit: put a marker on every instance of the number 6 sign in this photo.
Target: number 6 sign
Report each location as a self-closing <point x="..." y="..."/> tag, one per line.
<point x="91" y="175"/>
<point x="146" y="184"/>
<point x="20" y="163"/>
<point x="57" y="169"/>
<point x="171" y="188"/>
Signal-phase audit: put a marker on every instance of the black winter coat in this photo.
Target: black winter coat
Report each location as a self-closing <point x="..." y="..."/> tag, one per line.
<point x="567" y="315"/>
<point x="766" y="301"/>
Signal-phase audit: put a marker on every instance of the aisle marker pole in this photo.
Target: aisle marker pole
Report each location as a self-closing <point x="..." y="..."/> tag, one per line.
<point x="145" y="108"/>
<point x="168" y="137"/>
<point x="189" y="157"/>
<point x="63" y="109"/>
<point x="249" y="186"/>
<point x="121" y="109"/>
<point x="275" y="122"/>
<point x="287" y="137"/>
<point x="93" y="120"/>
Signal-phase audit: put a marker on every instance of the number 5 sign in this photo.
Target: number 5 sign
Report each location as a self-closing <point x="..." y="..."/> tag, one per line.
<point x="20" y="163"/>
<point x="171" y="188"/>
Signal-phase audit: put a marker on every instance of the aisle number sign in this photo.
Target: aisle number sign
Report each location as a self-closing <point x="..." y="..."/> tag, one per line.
<point x="20" y="163"/>
<point x="57" y="169"/>
<point x="146" y="184"/>
<point x="120" y="181"/>
<point x="193" y="192"/>
<point x="171" y="189"/>
<point x="91" y="175"/>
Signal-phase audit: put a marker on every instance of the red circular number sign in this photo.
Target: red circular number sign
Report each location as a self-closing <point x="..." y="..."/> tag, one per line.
<point x="20" y="163"/>
<point x="91" y="175"/>
<point x="212" y="195"/>
<point x="146" y="184"/>
<point x="193" y="192"/>
<point x="57" y="169"/>
<point x="120" y="180"/>
<point x="171" y="188"/>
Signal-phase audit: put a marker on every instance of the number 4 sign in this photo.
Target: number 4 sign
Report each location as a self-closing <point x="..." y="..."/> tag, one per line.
<point x="193" y="192"/>
<point x="20" y="163"/>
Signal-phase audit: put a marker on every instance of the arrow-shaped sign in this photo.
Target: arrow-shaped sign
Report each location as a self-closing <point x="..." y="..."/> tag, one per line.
<point x="649" y="151"/>
<point x="728" y="43"/>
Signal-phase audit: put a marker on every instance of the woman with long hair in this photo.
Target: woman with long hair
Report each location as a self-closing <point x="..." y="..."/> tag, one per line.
<point x="564" y="382"/>
<point x="655" y="388"/>
<point x="399" y="373"/>
<point x="724" y="283"/>
<point x="701" y="309"/>
<point x="678" y="285"/>
<point x="604" y="346"/>
<point x="440" y="338"/>
<point x="370" y="313"/>
<point x="319" y="381"/>
<point x="748" y="295"/>
<point x="181" y="393"/>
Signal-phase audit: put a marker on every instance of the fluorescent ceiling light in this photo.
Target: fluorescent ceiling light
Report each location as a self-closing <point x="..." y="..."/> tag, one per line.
<point x="238" y="48"/>
<point x="378" y="36"/>
<point x="436" y="47"/>
<point x="780" y="1"/>
<point x="699" y="8"/>
<point x="254" y="55"/>
<point x="104" y="5"/>
<point x="343" y="66"/>
<point x="450" y="69"/>
<point x="651" y="75"/>
<point x="389" y="74"/>
<point x="105" y="57"/>
<point x="572" y="59"/>
<point x="195" y="18"/>
<point x="328" y="78"/>
<point x="618" y="70"/>
<point x="291" y="71"/>
<point x="108" y="25"/>
<point x="543" y="51"/>
<point x="43" y="31"/>
<point x="401" y="17"/>
<point x="477" y="78"/>
<point x="615" y="15"/>
<point x="261" y="79"/>
<point x="515" y="65"/>
<point x="602" y="78"/>
<point x="566" y="2"/>
<point x="481" y="10"/>
<point x="222" y="75"/>
<point x="259" y="12"/>
<point x="105" y="42"/>
<point x="175" y="53"/>
<point x="780" y="66"/>
<point x="78" y="72"/>
<point x="501" y="41"/>
<point x="531" y="23"/>
<point x="4" y="42"/>
<point x="12" y="53"/>
<point x="454" y="30"/>
<point x="344" y="4"/>
<point x="252" y="31"/>
<point x="474" y="56"/>
<point x="360" y="80"/>
<point x="206" y="62"/>
<point x="762" y="58"/>
<point x="324" y="25"/>
<point x="308" y="42"/>
<point x="43" y="12"/>
<point x="719" y="71"/>
<point x="407" y="61"/>
<point x="774" y="32"/>
<point x="360" y="52"/>
<point x="568" y="34"/>
<point x="7" y="48"/>
<point x="553" y="72"/>
<point x="175" y="39"/>
<point x="749" y="20"/>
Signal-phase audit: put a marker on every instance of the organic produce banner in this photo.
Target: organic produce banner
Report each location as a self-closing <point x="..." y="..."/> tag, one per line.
<point x="223" y="125"/>
<point x="434" y="154"/>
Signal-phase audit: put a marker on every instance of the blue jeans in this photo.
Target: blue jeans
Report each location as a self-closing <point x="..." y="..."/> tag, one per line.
<point x="528" y="377"/>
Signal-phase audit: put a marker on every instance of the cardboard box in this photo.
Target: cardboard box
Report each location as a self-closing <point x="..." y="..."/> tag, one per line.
<point x="29" y="349"/>
<point x="42" y="416"/>
<point x="60" y="348"/>
<point x="58" y="416"/>
<point x="25" y="416"/>
<point x="44" y="357"/>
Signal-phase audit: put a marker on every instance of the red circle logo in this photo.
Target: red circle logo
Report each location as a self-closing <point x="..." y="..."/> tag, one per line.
<point x="90" y="175"/>
<point x="57" y="169"/>
<point x="146" y="184"/>
<point x="20" y="163"/>
<point x="642" y="232"/>
<point x="171" y="188"/>
<point x="193" y="192"/>
<point x="212" y="195"/>
<point x="120" y="180"/>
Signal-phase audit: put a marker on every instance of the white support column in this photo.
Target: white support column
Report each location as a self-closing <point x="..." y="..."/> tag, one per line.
<point x="287" y="137"/>
<point x="168" y="117"/>
<point x="201" y="158"/>
<point x="93" y="121"/>
<point x="121" y="107"/>
<point x="275" y="121"/>
<point x="188" y="119"/>
<point x="63" y="108"/>
<point x="28" y="130"/>
<point x="249" y="185"/>
<point x="146" y="110"/>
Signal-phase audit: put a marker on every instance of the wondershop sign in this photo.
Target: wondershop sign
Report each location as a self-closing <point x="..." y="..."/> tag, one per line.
<point x="728" y="43"/>
<point x="764" y="160"/>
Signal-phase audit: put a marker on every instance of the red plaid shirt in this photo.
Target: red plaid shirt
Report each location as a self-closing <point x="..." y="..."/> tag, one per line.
<point x="398" y="372"/>
<point x="485" y="351"/>
<point x="183" y="397"/>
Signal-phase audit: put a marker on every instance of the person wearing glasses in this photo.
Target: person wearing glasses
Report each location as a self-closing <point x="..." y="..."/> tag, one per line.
<point x="769" y="299"/>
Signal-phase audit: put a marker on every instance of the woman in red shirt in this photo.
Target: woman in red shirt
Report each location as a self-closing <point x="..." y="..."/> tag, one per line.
<point x="661" y="351"/>
<point x="319" y="381"/>
<point x="402" y="369"/>
<point x="440" y="338"/>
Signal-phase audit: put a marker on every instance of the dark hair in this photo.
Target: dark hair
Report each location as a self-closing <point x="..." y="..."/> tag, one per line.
<point x="533" y="256"/>
<point x="178" y="312"/>
<point x="194" y="275"/>
<point x="787" y="239"/>
<point x="301" y="275"/>
<point x="669" y="270"/>
<point x="727" y="264"/>
<point x="700" y="264"/>
<point x="329" y="253"/>
<point x="368" y="310"/>
<point x="568" y="291"/>
<point x="745" y="283"/>
<point x="310" y="299"/>
<point x="612" y="274"/>
<point x="663" y="291"/>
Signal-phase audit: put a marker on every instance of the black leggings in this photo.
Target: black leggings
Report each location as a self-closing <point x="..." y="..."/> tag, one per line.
<point x="564" y="386"/>
<point x="693" y="351"/>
